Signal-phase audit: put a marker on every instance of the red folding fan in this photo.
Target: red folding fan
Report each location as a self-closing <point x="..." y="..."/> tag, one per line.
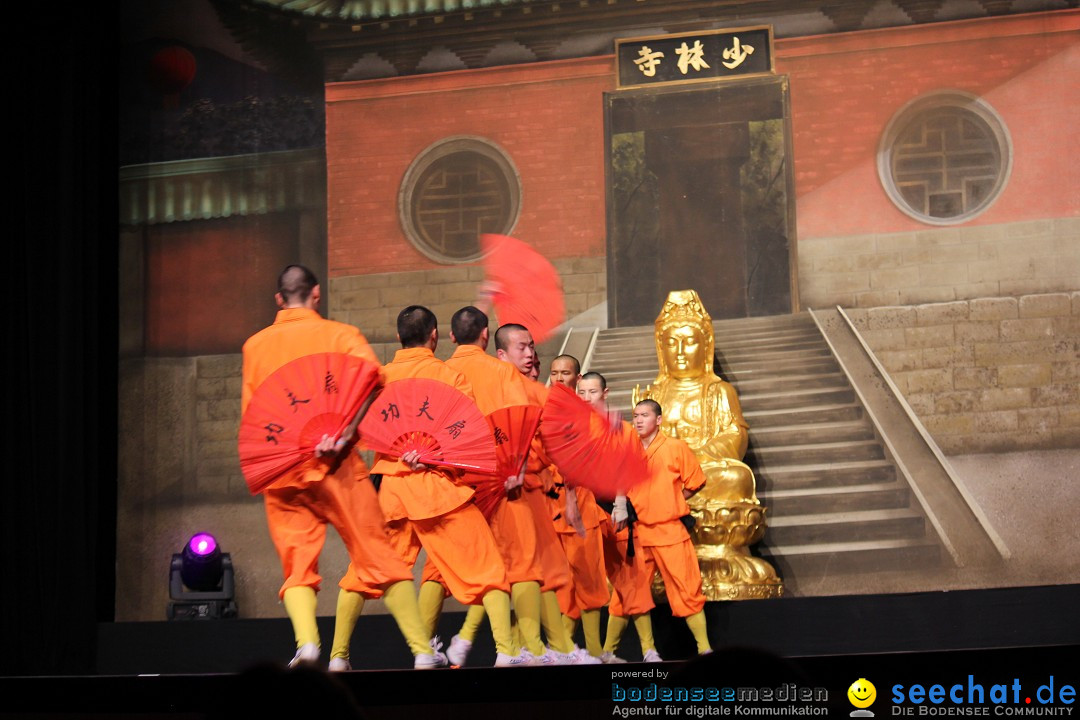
<point x="438" y="421"/>
<point x="527" y="288"/>
<point x="512" y="428"/>
<point x="293" y="408"/>
<point x="588" y="449"/>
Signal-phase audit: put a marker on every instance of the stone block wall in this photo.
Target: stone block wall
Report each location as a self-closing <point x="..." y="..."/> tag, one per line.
<point x="941" y="264"/>
<point x="372" y="302"/>
<point x="217" y="416"/>
<point x="985" y="375"/>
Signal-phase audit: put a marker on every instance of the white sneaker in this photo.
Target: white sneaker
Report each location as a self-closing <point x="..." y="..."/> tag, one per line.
<point x="523" y="660"/>
<point x="581" y="656"/>
<point x="611" y="659"/>
<point x="652" y="656"/>
<point x="437" y="659"/>
<point x="550" y="657"/>
<point x="339" y="664"/>
<point x="306" y="654"/>
<point x="458" y="650"/>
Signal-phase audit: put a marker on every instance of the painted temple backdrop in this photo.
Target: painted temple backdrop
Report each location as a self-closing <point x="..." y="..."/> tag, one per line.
<point x="910" y="162"/>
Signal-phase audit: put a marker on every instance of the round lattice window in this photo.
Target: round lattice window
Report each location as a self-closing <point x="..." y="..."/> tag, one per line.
<point x="945" y="158"/>
<point x="453" y="192"/>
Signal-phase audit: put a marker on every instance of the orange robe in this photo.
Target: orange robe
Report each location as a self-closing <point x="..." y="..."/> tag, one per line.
<point x="431" y="509"/>
<point x="631" y="577"/>
<point x="664" y="540"/>
<point x="305" y="499"/>
<point x="553" y="561"/>
<point x="588" y="589"/>
<point x="497" y="384"/>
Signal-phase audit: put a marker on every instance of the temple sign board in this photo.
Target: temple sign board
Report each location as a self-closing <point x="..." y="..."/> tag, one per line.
<point x="700" y="189"/>
<point x="694" y="57"/>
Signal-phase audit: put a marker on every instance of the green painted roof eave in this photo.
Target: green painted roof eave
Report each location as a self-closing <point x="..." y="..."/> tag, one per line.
<point x="367" y="10"/>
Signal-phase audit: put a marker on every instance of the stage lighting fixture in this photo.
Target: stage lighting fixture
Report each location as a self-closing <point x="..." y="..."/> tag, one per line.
<point x="201" y="582"/>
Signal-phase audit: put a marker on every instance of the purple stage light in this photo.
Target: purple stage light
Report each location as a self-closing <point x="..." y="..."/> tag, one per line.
<point x="202" y="544"/>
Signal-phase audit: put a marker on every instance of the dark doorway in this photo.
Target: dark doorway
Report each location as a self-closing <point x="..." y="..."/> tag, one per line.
<point x="700" y="195"/>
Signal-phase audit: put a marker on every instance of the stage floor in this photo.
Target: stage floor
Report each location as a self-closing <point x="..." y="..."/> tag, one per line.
<point x="564" y="693"/>
<point x="1022" y="638"/>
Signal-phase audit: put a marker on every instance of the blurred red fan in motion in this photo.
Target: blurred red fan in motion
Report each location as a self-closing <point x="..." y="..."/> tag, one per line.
<point x="524" y="286"/>
<point x="436" y="420"/>
<point x="588" y="448"/>
<point x="291" y="410"/>
<point x="513" y="428"/>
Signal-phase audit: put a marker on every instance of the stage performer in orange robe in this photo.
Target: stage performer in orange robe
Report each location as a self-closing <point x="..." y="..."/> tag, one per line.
<point x="514" y="344"/>
<point x="661" y="534"/>
<point x="429" y="507"/>
<point x="582" y="539"/>
<point x="495" y="385"/>
<point x="302" y="502"/>
<point x="631" y="599"/>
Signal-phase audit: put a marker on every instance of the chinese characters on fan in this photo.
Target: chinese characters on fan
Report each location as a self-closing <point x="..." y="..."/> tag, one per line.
<point x="273" y="430"/>
<point x="329" y="384"/>
<point x="294" y="401"/>
<point x="456" y="428"/>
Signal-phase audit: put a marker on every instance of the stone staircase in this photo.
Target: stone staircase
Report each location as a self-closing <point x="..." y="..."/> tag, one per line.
<point x="837" y="502"/>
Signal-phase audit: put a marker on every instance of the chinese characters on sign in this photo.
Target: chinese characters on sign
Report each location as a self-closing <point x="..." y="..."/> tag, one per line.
<point x="648" y="61"/>
<point x="690" y="57"/>
<point x="693" y="57"/>
<point x="737" y="54"/>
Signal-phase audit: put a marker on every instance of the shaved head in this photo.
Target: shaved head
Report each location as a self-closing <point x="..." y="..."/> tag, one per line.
<point x="295" y="284"/>
<point x="573" y="361"/>
<point x="651" y="404"/>
<point x="468" y="324"/>
<point x="565" y="370"/>
<point x="502" y="335"/>
<point x="596" y="376"/>
<point x="514" y="343"/>
<point x="415" y="325"/>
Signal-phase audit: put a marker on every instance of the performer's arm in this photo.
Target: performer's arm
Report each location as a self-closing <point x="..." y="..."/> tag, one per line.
<point x="693" y="478"/>
<point x="330" y="446"/>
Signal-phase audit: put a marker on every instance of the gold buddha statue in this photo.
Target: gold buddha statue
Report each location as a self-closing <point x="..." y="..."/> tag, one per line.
<point x="703" y="411"/>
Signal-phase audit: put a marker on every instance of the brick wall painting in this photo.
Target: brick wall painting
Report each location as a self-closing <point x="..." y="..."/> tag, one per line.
<point x="844" y="92"/>
<point x="236" y="264"/>
<point x="547" y="117"/>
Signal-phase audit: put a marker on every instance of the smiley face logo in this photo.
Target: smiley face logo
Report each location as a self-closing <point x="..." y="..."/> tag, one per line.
<point x="862" y="693"/>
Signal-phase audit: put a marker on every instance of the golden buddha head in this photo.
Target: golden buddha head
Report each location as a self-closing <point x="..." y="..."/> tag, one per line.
<point x="684" y="338"/>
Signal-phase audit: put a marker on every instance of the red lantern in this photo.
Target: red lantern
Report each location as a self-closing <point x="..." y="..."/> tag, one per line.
<point x="171" y="70"/>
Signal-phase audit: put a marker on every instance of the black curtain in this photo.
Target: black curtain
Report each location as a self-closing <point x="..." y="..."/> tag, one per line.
<point x="60" y="355"/>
